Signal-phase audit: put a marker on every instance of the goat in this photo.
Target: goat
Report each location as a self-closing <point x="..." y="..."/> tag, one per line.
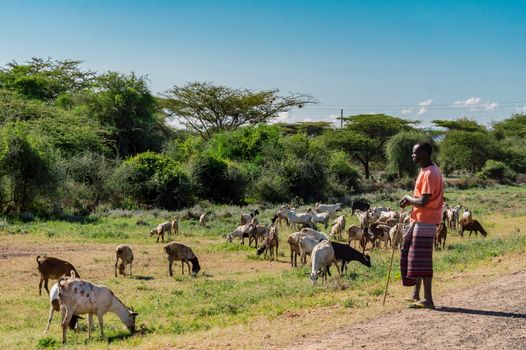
<point x="55" y="306"/>
<point x="345" y="253"/>
<point x="338" y="226"/>
<point x="161" y="229"/>
<point x="83" y="297"/>
<point x="175" y="226"/>
<point x="440" y="238"/>
<point x="180" y="251"/>
<point x="202" y="219"/>
<point x="322" y="218"/>
<point x="317" y="235"/>
<point x="293" y="218"/>
<point x="246" y="218"/>
<point x="125" y="254"/>
<point x="271" y="243"/>
<point x="354" y="233"/>
<point x="256" y="232"/>
<point x="293" y="241"/>
<point x="322" y="257"/>
<point x="307" y="244"/>
<point x="240" y="232"/>
<point x="396" y="235"/>
<point x="359" y="205"/>
<point x="328" y="208"/>
<point x="472" y="226"/>
<point x="50" y="267"/>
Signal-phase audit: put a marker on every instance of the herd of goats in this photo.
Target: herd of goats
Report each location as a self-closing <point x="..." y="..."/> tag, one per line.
<point x="74" y="296"/>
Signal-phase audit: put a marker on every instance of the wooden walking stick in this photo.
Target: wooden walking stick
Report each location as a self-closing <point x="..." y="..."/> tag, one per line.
<point x="388" y="275"/>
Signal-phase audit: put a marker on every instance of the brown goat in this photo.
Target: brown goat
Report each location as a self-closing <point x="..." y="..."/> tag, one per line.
<point x="441" y="234"/>
<point x="50" y="267"/>
<point x="472" y="226"/>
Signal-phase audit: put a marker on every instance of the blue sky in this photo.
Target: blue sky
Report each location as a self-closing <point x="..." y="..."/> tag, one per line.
<point x="413" y="59"/>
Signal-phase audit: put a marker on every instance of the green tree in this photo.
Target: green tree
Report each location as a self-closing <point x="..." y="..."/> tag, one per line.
<point x="125" y="106"/>
<point x="27" y="166"/>
<point x="365" y="135"/>
<point x="398" y="150"/>
<point x="465" y="150"/>
<point x="205" y="108"/>
<point x="462" y="124"/>
<point x="45" y="79"/>
<point x="511" y="127"/>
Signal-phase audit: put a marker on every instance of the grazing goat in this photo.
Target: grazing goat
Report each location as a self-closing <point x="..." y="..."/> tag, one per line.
<point x="82" y="297"/>
<point x="472" y="226"/>
<point x="322" y="258"/>
<point x="257" y="232"/>
<point x="271" y="243"/>
<point x="345" y="253"/>
<point x="322" y="218"/>
<point x="246" y="218"/>
<point x="125" y="254"/>
<point x="293" y="218"/>
<point x="240" y="232"/>
<point x="440" y="238"/>
<point x="307" y="244"/>
<point x="161" y="229"/>
<point x="328" y="208"/>
<point x="317" y="235"/>
<point x="182" y="252"/>
<point x="55" y="306"/>
<point x="50" y="267"/>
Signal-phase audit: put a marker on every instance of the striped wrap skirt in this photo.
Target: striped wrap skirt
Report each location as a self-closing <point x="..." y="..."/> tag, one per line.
<point x="416" y="259"/>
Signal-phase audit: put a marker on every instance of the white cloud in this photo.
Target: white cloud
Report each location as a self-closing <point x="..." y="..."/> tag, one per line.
<point x="407" y="111"/>
<point x="426" y="102"/>
<point x="490" y="106"/>
<point x="476" y="104"/>
<point x="421" y="111"/>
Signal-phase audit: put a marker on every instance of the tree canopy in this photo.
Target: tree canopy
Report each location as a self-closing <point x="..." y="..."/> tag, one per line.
<point x="206" y="108"/>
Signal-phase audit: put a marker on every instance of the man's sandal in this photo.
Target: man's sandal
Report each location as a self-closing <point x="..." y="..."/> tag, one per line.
<point x="421" y="305"/>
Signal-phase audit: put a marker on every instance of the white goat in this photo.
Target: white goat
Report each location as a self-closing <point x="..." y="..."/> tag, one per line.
<point x="317" y="235"/>
<point x="338" y="226"/>
<point x="396" y="235"/>
<point x="202" y="219"/>
<point x="125" y="254"/>
<point x="240" y="232"/>
<point x="55" y="306"/>
<point x="328" y="208"/>
<point x="322" y="218"/>
<point x="161" y="229"/>
<point x="83" y="297"/>
<point x="322" y="257"/>
<point x="307" y="244"/>
<point x="293" y="218"/>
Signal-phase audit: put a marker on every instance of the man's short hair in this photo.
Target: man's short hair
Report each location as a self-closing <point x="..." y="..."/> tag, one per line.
<point x="425" y="147"/>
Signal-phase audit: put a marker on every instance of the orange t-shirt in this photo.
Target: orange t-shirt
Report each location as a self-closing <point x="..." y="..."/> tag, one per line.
<point x="429" y="181"/>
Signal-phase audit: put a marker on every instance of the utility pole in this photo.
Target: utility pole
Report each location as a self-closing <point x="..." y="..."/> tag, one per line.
<point x="341" y="118"/>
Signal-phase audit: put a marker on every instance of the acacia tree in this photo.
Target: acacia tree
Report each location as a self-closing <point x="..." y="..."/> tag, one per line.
<point x="205" y="108"/>
<point x="365" y="135"/>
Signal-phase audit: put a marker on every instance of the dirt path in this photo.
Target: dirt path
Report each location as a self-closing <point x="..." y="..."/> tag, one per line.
<point x="490" y="316"/>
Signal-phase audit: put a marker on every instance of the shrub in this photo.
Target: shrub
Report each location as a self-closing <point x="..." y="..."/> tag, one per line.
<point x="151" y="179"/>
<point x="496" y="170"/>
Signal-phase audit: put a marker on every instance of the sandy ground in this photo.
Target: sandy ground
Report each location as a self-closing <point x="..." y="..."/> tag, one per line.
<point x="489" y="316"/>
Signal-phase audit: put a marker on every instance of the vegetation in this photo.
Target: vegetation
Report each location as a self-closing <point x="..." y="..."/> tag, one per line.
<point x="73" y="140"/>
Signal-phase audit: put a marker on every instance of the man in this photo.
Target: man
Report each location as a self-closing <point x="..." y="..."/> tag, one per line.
<point x="416" y="262"/>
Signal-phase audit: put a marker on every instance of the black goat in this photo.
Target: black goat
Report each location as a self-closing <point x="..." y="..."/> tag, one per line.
<point x="345" y="253"/>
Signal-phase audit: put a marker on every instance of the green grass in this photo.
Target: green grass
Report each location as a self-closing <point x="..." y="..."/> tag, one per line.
<point x="243" y="291"/>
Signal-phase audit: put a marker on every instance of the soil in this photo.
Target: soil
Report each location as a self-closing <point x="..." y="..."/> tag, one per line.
<point x="488" y="316"/>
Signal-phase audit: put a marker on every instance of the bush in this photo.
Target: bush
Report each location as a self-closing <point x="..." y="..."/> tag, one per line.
<point x="150" y="179"/>
<point x="216" y="180"/>
<point x="499" y="171"/>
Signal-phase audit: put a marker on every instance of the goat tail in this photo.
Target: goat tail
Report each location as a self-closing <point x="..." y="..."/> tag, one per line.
<point x="38" y="259"/>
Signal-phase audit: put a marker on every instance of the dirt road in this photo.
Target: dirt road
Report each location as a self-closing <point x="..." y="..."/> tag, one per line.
<point x="489" y="316"/>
